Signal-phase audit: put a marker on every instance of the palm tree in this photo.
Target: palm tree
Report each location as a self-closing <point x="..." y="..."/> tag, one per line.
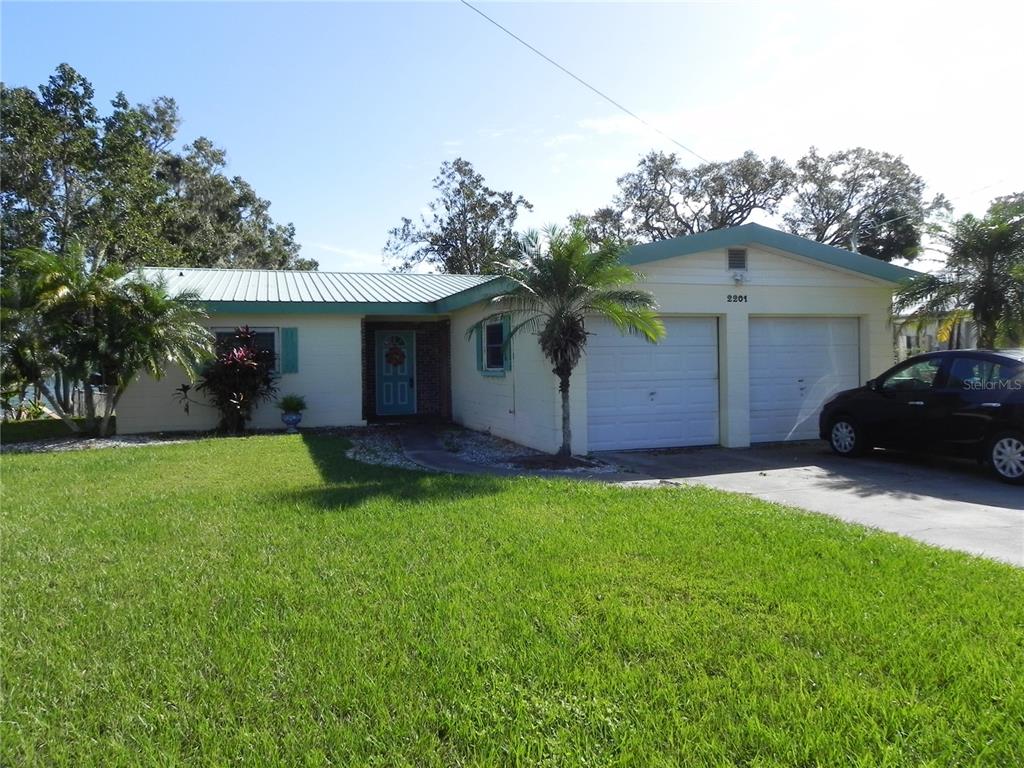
<point x="146" y="329"/>
<point x="983" y="275"/>
<point x="69" y="320"/>
<point x="554" y="292"/>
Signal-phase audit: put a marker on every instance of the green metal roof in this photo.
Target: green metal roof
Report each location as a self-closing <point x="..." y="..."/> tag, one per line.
<point x="755" y="234"/>
<point x="268" y="290"/>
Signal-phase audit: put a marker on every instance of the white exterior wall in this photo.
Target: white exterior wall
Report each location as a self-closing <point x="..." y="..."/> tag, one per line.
<point x="524" y="405"/>
<point x="329" y="377"/>
<point x="775" y="284"/>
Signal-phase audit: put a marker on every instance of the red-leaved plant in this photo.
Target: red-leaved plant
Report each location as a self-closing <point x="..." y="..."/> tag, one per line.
<point x="239" y="378"/>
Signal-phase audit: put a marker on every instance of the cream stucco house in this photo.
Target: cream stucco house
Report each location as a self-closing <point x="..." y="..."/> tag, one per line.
<point x="762" y="327"/>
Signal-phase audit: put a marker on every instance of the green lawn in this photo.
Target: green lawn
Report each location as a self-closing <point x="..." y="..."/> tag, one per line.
<point x="267" y="602"/>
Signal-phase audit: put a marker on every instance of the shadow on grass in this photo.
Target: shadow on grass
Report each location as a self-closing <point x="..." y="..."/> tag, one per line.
<point x="349" y="483"/>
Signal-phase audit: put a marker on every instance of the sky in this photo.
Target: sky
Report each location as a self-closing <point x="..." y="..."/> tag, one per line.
<point x="342" y="113"/>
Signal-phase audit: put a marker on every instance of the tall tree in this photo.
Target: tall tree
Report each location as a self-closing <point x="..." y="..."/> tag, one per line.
<point x="469" y="229"/>
<point x="606" y="223"/>
<point x="217" y="221"/>
<point x="556" y="288"/>
<point x="862" y="200"/>
<point x="112" y="185"/>
<point x="663" y="199"/>
<point x="983" y="274"/>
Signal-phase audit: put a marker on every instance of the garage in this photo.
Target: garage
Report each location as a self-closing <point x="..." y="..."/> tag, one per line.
<point x="796" y="364"/>
<point x="642" y="395"/>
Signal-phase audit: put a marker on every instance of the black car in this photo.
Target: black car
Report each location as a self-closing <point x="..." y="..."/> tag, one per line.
<point x="957" y="402"/>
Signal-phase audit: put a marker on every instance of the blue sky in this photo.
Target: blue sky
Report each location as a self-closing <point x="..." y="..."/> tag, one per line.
<point x="341" y="113"/>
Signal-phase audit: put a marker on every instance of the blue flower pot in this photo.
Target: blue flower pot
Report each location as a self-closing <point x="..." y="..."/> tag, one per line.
<point x="291" y="420"/>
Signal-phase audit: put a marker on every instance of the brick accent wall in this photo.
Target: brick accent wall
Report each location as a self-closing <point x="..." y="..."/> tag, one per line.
<point x="433" y="366"/>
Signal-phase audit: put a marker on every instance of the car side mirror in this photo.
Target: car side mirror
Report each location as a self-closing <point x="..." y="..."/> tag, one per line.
<point x="872" y="384"/>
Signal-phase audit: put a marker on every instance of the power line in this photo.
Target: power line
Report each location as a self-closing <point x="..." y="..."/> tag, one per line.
<point x="582" y="82"/>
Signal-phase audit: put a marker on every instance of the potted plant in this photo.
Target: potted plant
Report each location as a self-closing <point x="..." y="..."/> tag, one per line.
<point x="292" y="407"/>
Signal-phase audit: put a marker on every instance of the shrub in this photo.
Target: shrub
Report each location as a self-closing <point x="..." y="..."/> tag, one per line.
<point x="292" y="403"/>
<point x="239" y="378"/>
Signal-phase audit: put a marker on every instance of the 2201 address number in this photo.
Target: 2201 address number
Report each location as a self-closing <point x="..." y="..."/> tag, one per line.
<point x="732" y="298"/>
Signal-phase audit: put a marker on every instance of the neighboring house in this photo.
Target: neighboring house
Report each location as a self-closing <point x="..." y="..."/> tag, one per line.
<point x="916" y="335"/>
<point x="761" y="326"/>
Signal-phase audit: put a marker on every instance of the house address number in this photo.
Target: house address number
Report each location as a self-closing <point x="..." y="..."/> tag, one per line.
<point x="733" y="298"/>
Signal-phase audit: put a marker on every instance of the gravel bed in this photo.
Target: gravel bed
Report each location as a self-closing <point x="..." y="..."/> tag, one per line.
<point x="63" y="444"/>
<point x="378" y="446"/>
<point x="481" y="448"/>
<point x="488" y="450"/>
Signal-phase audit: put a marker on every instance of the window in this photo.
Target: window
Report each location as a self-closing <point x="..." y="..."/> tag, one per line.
<point x="494" y="346"/>
<point x="914" y="376"/>
<point x="737" y="259"/>
<point x="266" y="339"/>
<point x="977" y="373"/>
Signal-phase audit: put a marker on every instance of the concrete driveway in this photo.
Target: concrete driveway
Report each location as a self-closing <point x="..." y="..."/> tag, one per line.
<point x="949" y="503"/>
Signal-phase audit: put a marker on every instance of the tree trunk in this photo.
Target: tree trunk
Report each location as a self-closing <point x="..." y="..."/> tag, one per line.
<point x="41" y="387"/>
<point x="90" y="406"/>
<point x="563" y="387"/>
<point x="110" y="402"/>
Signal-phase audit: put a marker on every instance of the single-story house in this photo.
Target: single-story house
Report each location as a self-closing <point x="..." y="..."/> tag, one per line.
<point x="762" y="326"/>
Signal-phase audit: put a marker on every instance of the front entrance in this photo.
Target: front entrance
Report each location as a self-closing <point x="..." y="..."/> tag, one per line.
<point x="396" y="372"/>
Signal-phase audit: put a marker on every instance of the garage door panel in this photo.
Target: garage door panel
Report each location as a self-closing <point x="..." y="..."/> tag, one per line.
<point x="641" y="395"/>
<point x="796" y="364"/>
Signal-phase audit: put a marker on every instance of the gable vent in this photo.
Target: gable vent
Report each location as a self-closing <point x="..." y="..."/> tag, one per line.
<point x="737" y="258"/>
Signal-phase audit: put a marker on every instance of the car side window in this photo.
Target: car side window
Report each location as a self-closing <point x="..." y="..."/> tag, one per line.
<point x="913" y="377"/>
<point x="976" y="374"/>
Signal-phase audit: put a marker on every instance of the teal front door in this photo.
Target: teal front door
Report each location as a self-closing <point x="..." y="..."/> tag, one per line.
<point x="396" y="371"/>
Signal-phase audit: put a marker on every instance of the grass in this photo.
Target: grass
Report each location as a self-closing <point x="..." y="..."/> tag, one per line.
<point x="39" y="429"/>
<point x="265" y="601"/>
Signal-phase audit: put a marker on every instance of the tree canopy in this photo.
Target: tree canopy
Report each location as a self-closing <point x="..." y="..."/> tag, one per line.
<point x="112" y="185"/>
<point x="470" y="227"/>
<point x="858" y="199"/>
<point x="862" y="200"/>
<point x="983" y="275"/>
<point x="663" y="199"/>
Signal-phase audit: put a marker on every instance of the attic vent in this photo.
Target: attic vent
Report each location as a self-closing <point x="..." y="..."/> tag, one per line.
<point x="737" y="258"/>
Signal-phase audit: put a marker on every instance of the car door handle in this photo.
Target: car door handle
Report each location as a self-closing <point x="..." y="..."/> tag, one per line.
<point x="991" y="405"/>
<point x="916" y="402"/>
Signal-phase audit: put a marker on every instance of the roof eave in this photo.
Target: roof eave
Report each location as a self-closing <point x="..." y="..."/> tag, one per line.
<point x="756" y="234"/>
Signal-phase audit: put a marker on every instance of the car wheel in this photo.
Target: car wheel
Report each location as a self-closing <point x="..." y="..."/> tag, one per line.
<point x="1006" y="456"/>
<point x="845" y="437"/>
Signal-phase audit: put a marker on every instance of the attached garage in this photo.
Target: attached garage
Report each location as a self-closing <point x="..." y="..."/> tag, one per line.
<point x="642" y="395"/>
<point x="796" y="364"/>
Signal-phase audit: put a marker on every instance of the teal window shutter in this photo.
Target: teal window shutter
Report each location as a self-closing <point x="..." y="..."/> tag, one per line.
<point x="506" y="329"/>
<point x="289" y="350"/>
<point x="479" y="333"/>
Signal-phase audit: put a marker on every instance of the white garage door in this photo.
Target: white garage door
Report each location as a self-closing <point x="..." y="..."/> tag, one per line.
<point x="642" y="395"/>
<point x="796" y="364"/>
